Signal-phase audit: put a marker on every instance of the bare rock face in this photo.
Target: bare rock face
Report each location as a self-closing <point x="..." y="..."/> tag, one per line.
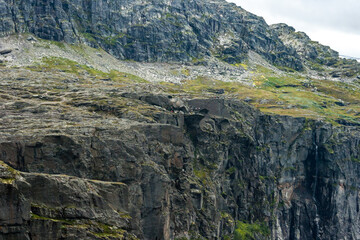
<point x="179" y="31"/>
<point x="315" y="55"/>
<point x="40" y="206"/>
<point x="305" y="47"/>
<point x="191" y="173"/>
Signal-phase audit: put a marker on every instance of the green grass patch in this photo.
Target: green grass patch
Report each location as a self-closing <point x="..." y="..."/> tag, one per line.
<point x="286" y="94"/>
<point x="56" y="64"/>
<point x="203" y="175"/>
<point x="63" y="221"/>
<point x="249" y="231"/>
<point x="104" y="231"/>
<point x="10" y="169"/>
<point x="7" y="180"/>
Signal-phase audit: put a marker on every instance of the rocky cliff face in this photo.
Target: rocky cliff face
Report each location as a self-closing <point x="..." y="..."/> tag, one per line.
<point x="87" y="154"/>
<point x="315" y="55"/>
<point x="305" y="47"/>
<point x="172" y="31"/>
<point x="151" y="30"/>
<point x="101" y="161"/>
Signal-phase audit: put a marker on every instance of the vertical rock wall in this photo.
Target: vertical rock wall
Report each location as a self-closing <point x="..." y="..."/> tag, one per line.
<point x="224" y="162"/>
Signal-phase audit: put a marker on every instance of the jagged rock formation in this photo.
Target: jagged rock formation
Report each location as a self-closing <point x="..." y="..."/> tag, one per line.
<point x="305" y="47"/>
<point x="151" y="30"/>
<point x="315" y="55"/>
<point x="171" y="31"/>
<point x="99" y="161"/>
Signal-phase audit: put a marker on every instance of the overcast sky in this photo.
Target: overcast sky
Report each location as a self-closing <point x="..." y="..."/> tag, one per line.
<point x="335" y="23"/>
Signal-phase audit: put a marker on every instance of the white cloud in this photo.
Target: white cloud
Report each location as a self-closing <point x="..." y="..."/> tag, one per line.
<point x="343" y="42"/>
<point x="332" y="22"/>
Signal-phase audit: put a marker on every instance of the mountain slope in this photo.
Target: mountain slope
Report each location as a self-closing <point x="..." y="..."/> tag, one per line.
<point x="169" y="31"/>
<point x="151" y="30"/>
<point x="222" y="128"/>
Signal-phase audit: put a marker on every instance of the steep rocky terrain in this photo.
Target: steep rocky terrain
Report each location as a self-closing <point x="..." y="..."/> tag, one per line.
<point x="224" y="128"/>
<point x="151" y="30"/>
<point x="316" y="56"/>
<point x="103" y="160"/>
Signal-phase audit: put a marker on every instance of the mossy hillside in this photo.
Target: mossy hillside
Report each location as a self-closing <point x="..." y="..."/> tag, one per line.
<point x="57" y="64"/>
<point x="286" y="94"/>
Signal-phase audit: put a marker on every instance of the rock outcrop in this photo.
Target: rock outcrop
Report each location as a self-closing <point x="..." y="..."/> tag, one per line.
<point x="315" y="55"/>
<point x="194" y="32"/>
<point x="180" y="31"/>
<point x="305" y="47"/>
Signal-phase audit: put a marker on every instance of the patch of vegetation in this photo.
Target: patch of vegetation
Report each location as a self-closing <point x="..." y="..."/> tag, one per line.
<point x="63" y="221"/>
<point x="227" y="217"/>
<point x="203" y="169"/>
<point x="261" y="148"/>
<point x="329" y="148"/>
<point x="203" y="175"/>
<point x="11" y="175"/>
<point x="10" y="169"/>
<point x="108" y="232"/>
<point x="116" y="106"/>
<point x="262" y="178"/>
<point x="58" y="44"/>
<point x="90" y="38"/>
<point x="248" y="231"/>
<point x="7" y="180"/>
<point x="195" y="60"/>
<point x="288" y="169"/>
<point x="287" y="94"/>
<point x="231" y="170"/>
<point x="316" y="66"/>
<point x="95" y="228"/>
<point x="185" y="71"/>
<point x="286" y="69"/>
<point x="243" y="65"/>
<point x="124" y="215"/>
<point x="56" y="64"/>
<point x="279" y="82"/>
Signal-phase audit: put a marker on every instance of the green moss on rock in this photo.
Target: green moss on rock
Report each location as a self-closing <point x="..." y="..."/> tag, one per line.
<point x="249" y="231"/>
